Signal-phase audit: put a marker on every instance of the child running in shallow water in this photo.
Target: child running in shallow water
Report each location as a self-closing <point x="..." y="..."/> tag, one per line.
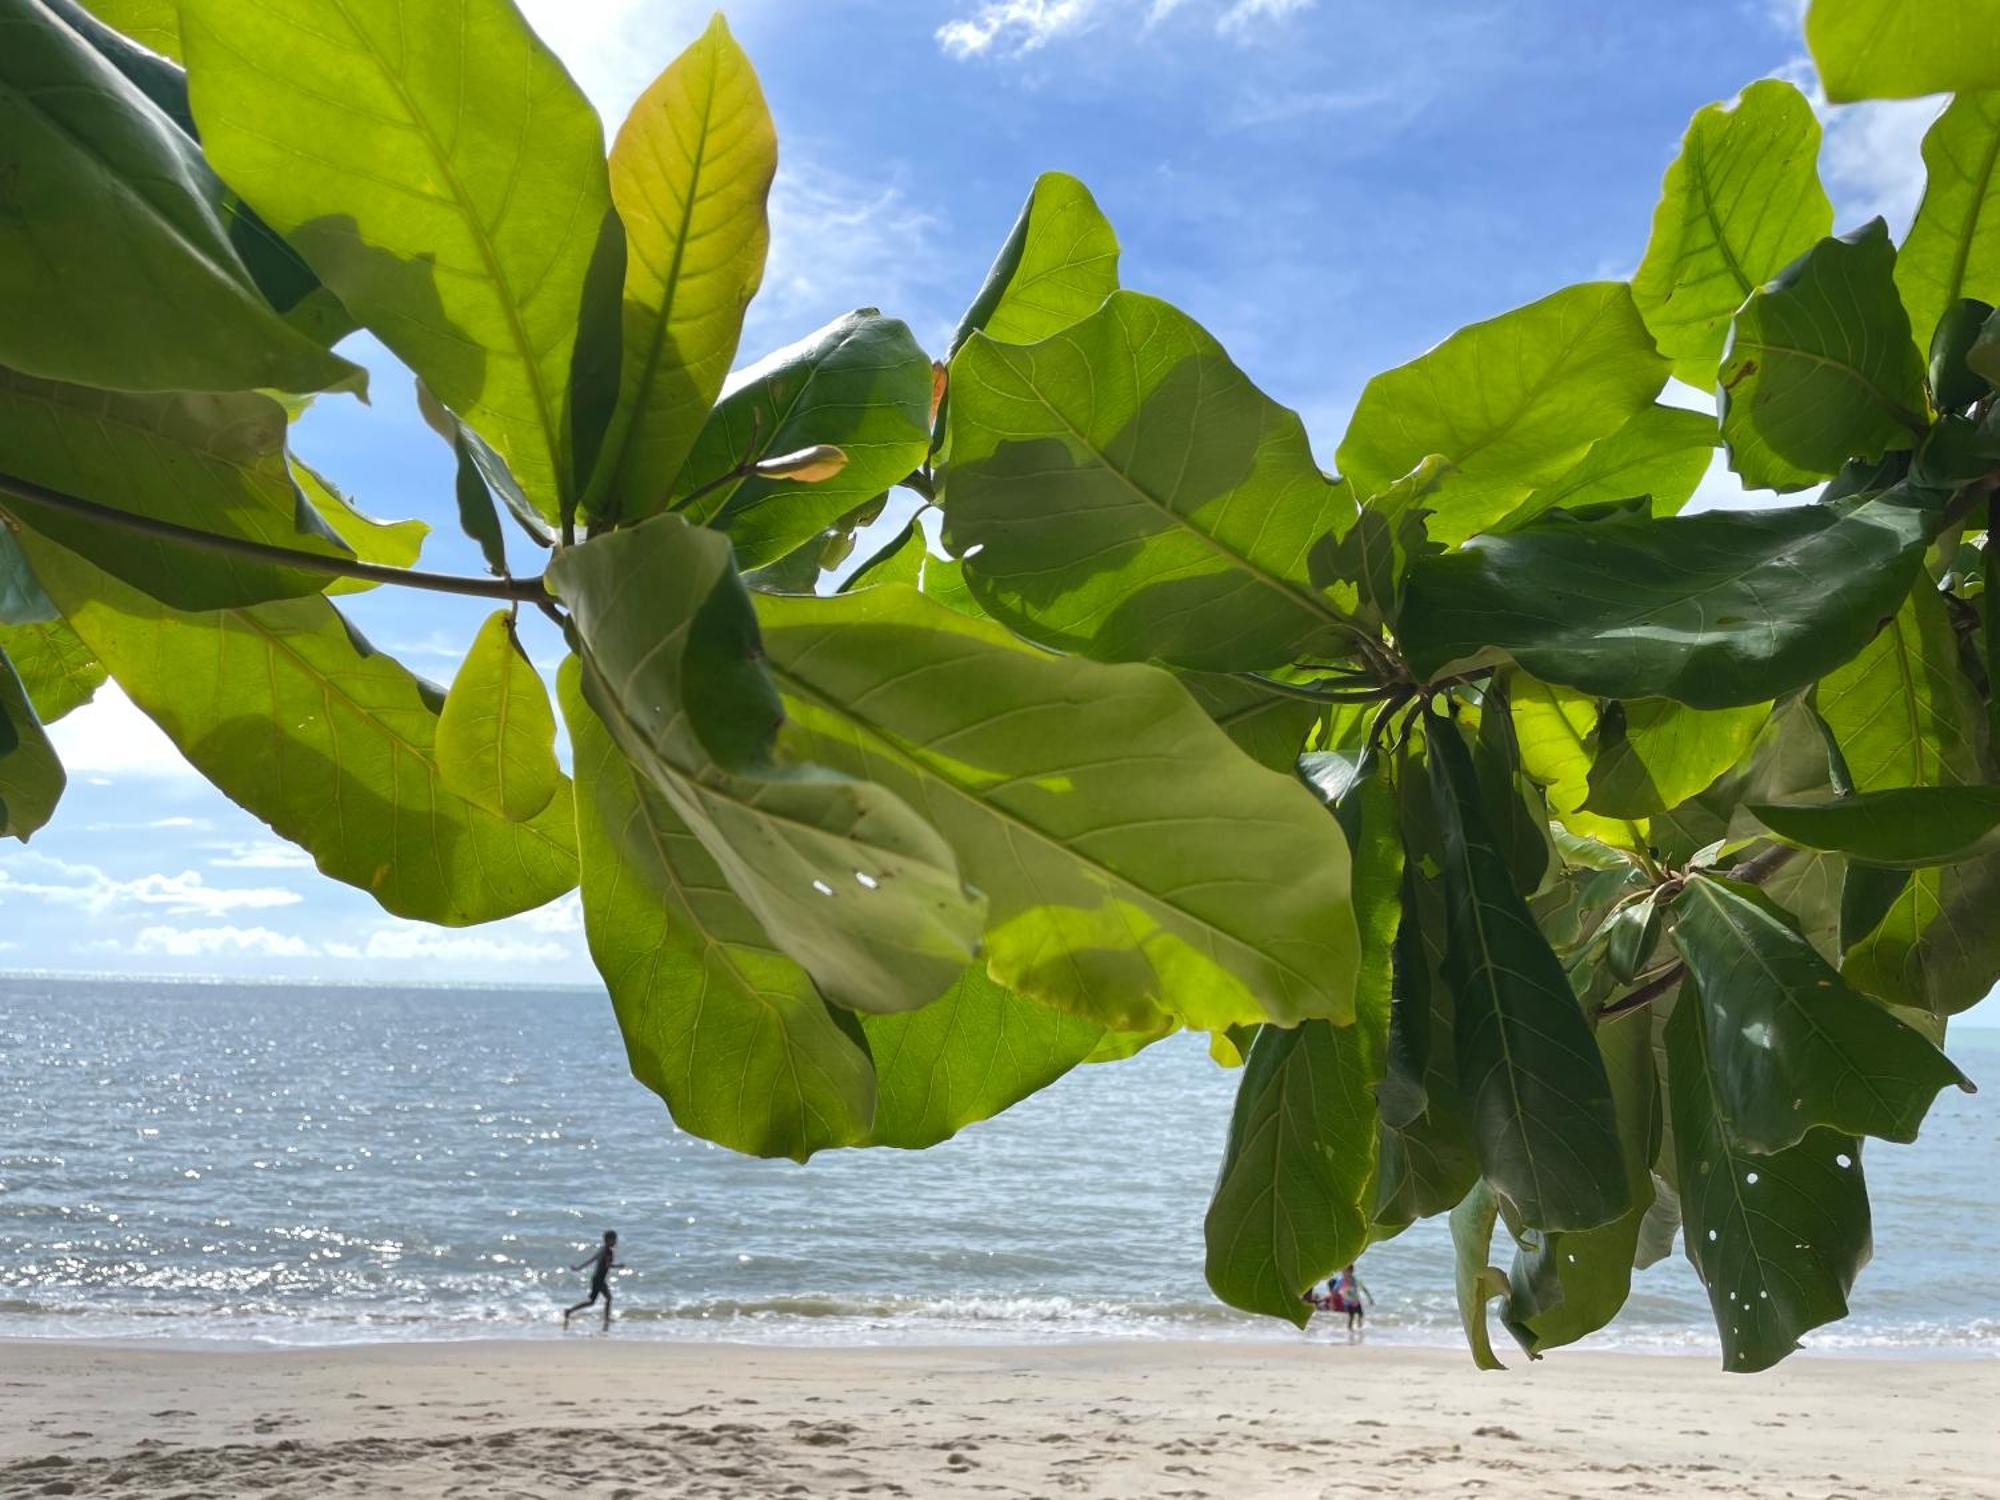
<point x="1347" y="1290"/>
<point x="600" y="1263"/>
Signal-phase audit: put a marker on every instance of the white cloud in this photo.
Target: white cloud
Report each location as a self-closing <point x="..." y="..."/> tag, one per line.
<point x="108" y="737"/>
<point x="561" y="916"/>
<point x="31" y="876"/>
<point x="1871" y="154"/>
<point x="259" y="854"/>
<point x="1015" y="28"/>
<point x="413" y="942"/>
<point x="209" y="942"/>
<point x="1245" y="16"/>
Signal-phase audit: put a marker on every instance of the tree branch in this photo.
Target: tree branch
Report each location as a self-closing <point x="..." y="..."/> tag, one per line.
<point x="519" y="590"/>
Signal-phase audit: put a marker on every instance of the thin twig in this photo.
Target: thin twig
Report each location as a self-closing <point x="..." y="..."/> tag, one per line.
<point x="528" y="590"/>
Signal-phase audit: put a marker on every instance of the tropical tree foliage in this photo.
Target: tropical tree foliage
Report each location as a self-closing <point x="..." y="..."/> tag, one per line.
<point x="1541" y="855"/>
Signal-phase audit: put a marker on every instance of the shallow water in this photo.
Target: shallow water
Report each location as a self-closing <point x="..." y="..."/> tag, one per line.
<point x="292" y="1164"/>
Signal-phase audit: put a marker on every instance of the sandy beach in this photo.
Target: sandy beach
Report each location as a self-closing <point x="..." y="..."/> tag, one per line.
<point x="608" y="1418"/>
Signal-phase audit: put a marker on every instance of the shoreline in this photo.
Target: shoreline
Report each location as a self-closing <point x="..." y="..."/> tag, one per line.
<point x="1201" y="1420"/>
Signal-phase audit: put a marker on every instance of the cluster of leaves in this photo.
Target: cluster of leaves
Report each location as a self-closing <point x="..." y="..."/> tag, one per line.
<point x="1542" y="856"/>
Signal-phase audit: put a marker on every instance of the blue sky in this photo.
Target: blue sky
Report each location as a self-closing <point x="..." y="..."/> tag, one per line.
<point x="1330" y="186"/>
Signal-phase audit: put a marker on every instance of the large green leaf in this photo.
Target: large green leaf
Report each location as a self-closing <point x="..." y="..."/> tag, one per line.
<point x="1953" y="248"/>
<point x="1937" y="947"/>
<point x="1777" y="1239"/>
<point x="1790" y="1046"/>
<point x="1715" y="610"/>
<point x="1513" y="404"/>
<point x="54" y="666"/>
<point x="1903" y="827"/>
<point x="1059" y="263"/>
<point x="1565" y="1285"/>
<point x="396" y="544"/>
<point x="157" y="23"/>
<point x="151" y="293"/>
<point x="1821" y="368"/>
<point x="1098" y="808"/>
<point x="297" y="719"/>
<point x="1740" y="203"/>
<point x="1654" y="753"/>
<point x="861" y="383"/>
<point x="1296" y="1192"/>
<point x="838" y="870"/>
<point x="212" y="462"/>
<point x="717" y="1020"/>
<point x="1891" y="49"/>
<point x="1478" y="1281"/>
<point x="1555" y="729"/>
<point x="443" y="175"/>
<point x="1122" y="490"/>
<point x="1662" y="453"/>
<point x="690" y="172"/>
<point x="1530" y="1074"/>
<point x="1267" y="724"/>
<point x="965" y="1057"/>
<point x="1901" y="710"/>
<point x="31" y="777"/>
<point x="496" y="735"/>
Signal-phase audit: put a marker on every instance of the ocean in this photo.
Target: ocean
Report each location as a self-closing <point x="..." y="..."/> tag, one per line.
<point x="290" y="1164"/>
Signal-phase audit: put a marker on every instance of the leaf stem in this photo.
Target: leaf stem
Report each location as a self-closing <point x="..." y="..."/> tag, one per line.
<point x="529" y="590"/>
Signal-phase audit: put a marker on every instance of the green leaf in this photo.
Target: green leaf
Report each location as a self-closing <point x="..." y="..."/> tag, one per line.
<point x="1513" y="404"/>
<point x="1058" y="265"/>
<point x="1556" y="730"/>
<point x="1901" y="710"/>
<point x="1514" y="812"/>
<point x="152" y="294"/>
<point x="690" y="172"/>
<point x="1123" y="491"/>
<point x="1662" y="453"/>
<point x="395" y="544"/>
<point x="22" y="601"/>
<point x="1790" y="1046"/>
<point x="1740" y="203"/>
<point x="54" y="666"/>
<point x="838" y="870"/>
<point x="861" y="383"/>
<point x="444" y="176"/>
<point x="1777" y="1239"/>
<point x="1296" y="1192"/>
<point x="157" y="23"/>
<point x="1953" y="248"/>
<point x="717" y="1020"/>
<point x="1866" y="895"/>
<point x="479" y="473"/>
<point x="1527" y="1067"/>
<point x="31" y="777"/>
<point x="1565" y="1285"/>
<point x="1097" y="807"/>
<point x="1268" y="725"/>
<point x="1654" y="753"/>
<point x="1821" y="368"/>
<point x="298" y="720"/>
<point x="1715" y="610"/>
<point x="1888" y="49"/>
<point x="1937" y="948"/>
<point x="965" y="1057"/>
<point x="1955" y="384"/>
<point x="1479" y="1283"/>
<point x="1903" y="827"/>
<point x="214" y="463"/>
<point x="496" y="736"/>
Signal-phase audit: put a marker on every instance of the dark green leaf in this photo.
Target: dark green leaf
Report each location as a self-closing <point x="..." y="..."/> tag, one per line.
<point x="1890" y="49"/>
<point x="839" y="872"/>
<point x="1901" y="711"/>
<point x="1716" y="610"/>
<point x="215" y="463"/>
<point x="157" y="23"/>
<point x="1098" y="809"/>
<point x="444" y="176"/>
<point x="1776" y="1239"/>
<point x="496" y="736"/>
<point x="690" y="172"/>
<point x="478" y="516"/>
<point x="1530" y="1074"/>
<point x="1937" y="948"/>
<point x="152" y="294"/>
<point x="1122" y="490"/>
<point x="1821" y="367"/>
<point x="1267" y="725"/>
<point x="1954" y="383"/>
<point x="1514" y="811"/>
<point x="296" y="718"/>
<point x="1513" y="404"/>
<point x="1790" y="1047"/>
<point x="22" y="601"/>
<point x="1902" y="826"/>
<point x="861" y="383"/>
<point x="717" y="1020"/>
<point x="31" y="778"/>
<point x="1740" y="203"/>
<point x="1296" y="1191"/>
<point x="1866" y="898"/>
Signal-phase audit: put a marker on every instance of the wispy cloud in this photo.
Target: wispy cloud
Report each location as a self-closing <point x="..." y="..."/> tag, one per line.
<point x="1871" y="154"/>
<point x="210" y="942"/>
<point x="33" y="877"/>
<point x="1016" y="28"/>
<point x="259" y="854"/>
<point x="412" y="942"/>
